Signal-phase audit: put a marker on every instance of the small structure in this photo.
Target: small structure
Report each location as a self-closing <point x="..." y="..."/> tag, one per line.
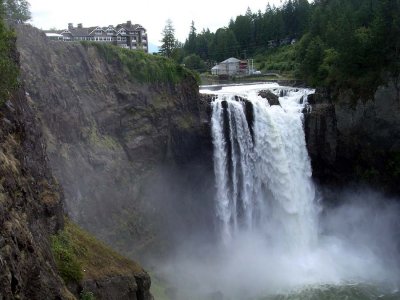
<point x="231" y="67"/>
<point x="285" y="41"/>
<point x="216" y="70"/>
<point x="125" y="35"/>
<point x="54" y="36"/>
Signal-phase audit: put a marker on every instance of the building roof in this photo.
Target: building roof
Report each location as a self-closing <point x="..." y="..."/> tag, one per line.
<point x="53" y="34"/>
<point x="79" y="31"/>
<point x="129" y="26"/>
<point x="91" y="31"/>
<point x="230" y="60"/>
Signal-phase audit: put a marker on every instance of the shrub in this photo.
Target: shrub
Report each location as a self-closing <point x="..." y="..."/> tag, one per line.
<point x="85" y="295"/>
<point x="143" y="67"/>
<point x="8" y="67"/>
<point x="66" y="258"/>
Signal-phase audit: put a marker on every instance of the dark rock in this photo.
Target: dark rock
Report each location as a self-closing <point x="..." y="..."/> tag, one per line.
<point x="351" y="139"/>
<point x="270" y="96"/>
<point x="30" y="208"/>
<point x="321" y="136"/>
<point x="119" y="288"/>
<point x="110" y="137"/>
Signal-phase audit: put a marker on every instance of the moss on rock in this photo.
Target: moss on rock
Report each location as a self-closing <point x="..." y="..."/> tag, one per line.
<point x="80" y="256"/>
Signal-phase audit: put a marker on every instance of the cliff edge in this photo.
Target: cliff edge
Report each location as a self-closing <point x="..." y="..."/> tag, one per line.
<point x="356" y="140"/>
<point x="126" y="139"/>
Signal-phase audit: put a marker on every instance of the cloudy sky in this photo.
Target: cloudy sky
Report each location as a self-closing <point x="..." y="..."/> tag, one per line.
<point x="152" y="14"/>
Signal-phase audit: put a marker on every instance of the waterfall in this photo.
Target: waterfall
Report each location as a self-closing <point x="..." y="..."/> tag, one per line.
<point x="262" y="168"/>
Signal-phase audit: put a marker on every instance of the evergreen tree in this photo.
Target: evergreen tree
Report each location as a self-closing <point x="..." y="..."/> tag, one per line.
<point x="190" y="44"/>
<point x="8" y="67"/>
<point x="178" y="53"/>
<point x="168" y="40"/>
<point x="203" y="42"/>
<point x="224" y="45"/>
<point x="17" y="10"/>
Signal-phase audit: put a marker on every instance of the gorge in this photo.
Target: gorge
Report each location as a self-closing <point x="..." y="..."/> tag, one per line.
<point x="141" y="161"/>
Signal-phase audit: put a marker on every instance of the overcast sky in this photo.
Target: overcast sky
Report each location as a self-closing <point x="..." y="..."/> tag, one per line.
<point x="151" y="14"/>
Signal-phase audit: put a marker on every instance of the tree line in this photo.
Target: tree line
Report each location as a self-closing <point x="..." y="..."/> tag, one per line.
<point x="351" y="43"/>
<point x="11" y="11"/>
<point x="246" y="34"/>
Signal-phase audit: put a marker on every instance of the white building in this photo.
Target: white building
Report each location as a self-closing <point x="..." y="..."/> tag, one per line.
<point x="55" y="36"/>
<point x="231" y="67"/>
<point x="126" y="35"/>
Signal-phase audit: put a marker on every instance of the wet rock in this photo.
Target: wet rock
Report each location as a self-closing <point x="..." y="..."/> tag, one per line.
<point x="119" y="288"/>
<point x="351" y="139"/>
<point x="110" y="137"/>
<point x="270" y="96"/>
<point x="320" y="128"/>
<point x="28" y="216"/>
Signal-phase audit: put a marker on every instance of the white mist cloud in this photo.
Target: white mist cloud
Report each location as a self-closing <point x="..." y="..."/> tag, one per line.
<point x="358" y="244"/>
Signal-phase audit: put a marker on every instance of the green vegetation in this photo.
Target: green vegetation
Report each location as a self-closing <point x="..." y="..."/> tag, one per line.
<point x="194" y="62"/>
<point x="8" y="66"/>
<point x="98" y="139"/>
<point x="66" y="257"/>
<point x="249" y="34"/>
<point x="85" y="295"/>
<point x="168" y="40"/>
<point x="350" y="44"/>
<point x="281" y="60"/>
<point x="141" y="66"/>
<point x="80" y="256"/>
<point x="17" y="11"/>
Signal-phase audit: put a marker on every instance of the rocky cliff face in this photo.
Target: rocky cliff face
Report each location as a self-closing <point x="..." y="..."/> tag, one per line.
<point x="356" y="140"/>
<point x="320" y="126"/>
<point x="31" y="216"/>
<point x="30" y="208"/>
<point x="126" y="153"/>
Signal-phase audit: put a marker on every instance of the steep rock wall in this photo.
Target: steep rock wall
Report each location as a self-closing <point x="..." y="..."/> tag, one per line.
<point x="31" y="216"/>
<point x="356" y="140"/>
<point x="30" y="208"/>
<point x="127" y="154"/>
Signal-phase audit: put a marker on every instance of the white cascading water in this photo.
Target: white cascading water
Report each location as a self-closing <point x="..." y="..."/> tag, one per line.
<point x="272" y="246"/>
<point x="263" y="175"/>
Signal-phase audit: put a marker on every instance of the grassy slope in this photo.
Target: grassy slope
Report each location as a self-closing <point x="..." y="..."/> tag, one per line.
<point x="143" y="67"/>
<point x="80" y="256"/>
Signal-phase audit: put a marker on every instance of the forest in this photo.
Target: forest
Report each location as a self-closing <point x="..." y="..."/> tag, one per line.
<point x="336" y="43"/>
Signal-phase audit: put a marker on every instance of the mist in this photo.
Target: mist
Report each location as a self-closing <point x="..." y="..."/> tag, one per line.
<point x="357" y="244"/>
<point x="275" y="232"/>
